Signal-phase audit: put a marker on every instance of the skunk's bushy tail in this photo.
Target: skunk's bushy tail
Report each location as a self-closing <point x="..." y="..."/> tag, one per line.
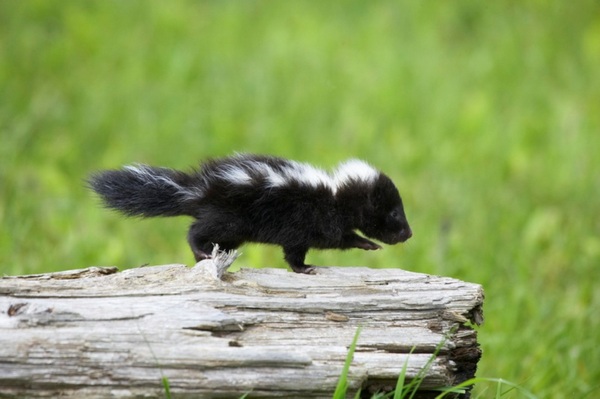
<point x="141" y="190"/>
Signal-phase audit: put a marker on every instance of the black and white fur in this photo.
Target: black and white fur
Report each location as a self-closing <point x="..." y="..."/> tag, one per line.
<point x="265" y="199"/>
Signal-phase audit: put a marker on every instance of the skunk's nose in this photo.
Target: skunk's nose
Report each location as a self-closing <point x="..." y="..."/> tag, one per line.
<point x="406" y="233"/>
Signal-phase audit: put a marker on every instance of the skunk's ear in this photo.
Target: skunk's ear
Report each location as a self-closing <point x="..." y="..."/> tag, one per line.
<point x="384" y="194"/>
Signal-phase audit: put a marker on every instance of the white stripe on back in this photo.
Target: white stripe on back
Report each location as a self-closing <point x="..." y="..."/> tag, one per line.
<point x="243" y="173"/>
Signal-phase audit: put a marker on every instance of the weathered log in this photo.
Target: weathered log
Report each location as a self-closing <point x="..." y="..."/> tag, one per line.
<point x="266" y="332"/>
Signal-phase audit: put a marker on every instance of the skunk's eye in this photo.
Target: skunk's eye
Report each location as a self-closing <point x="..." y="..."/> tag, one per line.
<point x="394" y="214"/>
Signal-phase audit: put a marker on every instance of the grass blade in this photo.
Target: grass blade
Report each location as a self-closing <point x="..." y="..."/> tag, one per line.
<point x="499" y="381"/>
<point x="399" y="391"/>
<point x="165" y="383"/>
<point x="342" y="385"/>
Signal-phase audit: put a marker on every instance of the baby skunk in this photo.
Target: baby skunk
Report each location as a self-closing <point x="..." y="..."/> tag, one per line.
<point x="265" y="199"/>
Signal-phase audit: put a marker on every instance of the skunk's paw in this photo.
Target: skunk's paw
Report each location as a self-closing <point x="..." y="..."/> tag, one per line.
<point x="304" y="269"/>
<point x="368" y="245"/>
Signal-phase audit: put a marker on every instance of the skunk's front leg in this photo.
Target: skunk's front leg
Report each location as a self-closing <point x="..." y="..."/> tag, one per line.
<point x="294" y="256"/>
<point x="353" y="240"/>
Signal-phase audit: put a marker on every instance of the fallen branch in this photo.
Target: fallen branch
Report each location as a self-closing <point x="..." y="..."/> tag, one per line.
<point x="97" y="332"/>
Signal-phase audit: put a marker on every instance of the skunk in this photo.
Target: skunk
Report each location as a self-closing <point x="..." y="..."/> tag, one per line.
<point x="264" y="199"/>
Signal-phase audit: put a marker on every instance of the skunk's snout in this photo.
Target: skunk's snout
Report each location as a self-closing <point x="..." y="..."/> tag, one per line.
<point x="405" y="234"/>
<point x="392" y="238"/>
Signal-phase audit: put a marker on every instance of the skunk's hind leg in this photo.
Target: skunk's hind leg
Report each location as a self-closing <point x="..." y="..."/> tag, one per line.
<point x="202" y="239"/>
<point x="294" y="256"/>
<point x="200" y="244"/>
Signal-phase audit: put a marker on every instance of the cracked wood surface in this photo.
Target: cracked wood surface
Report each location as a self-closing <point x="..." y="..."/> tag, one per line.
<point x="98" y="333"/>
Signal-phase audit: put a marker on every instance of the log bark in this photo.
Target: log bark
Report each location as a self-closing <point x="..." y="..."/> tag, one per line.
<point x="96" y="332"/>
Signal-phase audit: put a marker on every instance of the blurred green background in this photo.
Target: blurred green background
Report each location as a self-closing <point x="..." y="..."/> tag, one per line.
<point x="486" y="114"/>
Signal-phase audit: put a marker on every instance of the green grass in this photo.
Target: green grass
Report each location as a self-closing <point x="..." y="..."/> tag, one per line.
<point x="342" y="385"/>
<point x="408" y="389"/>
<point x="484" y="113"/>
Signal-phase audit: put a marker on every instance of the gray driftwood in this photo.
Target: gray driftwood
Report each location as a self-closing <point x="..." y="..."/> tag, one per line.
<point x="95" y="333"/>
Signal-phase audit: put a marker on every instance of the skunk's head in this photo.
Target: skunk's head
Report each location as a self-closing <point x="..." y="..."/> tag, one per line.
<point x="384" y="218"/>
